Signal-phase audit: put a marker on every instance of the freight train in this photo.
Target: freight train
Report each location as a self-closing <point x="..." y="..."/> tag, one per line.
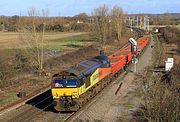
<point x="73" y="87"/>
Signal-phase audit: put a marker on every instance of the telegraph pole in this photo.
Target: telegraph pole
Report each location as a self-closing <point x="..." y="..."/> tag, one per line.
<point x="141" y="22"/>
<point x="137" y="22"/>
<point x="133" y="22"/>
<point x="144" y="23"/>
<point x="148" y="23"/>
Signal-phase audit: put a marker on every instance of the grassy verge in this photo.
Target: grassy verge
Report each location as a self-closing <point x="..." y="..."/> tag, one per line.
<point x="70" y="42"/>
<point x="177" y="26"/>
<point x="160" y="100"/>
<point x="10" y="98"/>
<point x="158" y="50"/>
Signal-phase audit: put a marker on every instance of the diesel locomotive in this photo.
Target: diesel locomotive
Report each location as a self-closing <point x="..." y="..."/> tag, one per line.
<point x="71" y="87"/>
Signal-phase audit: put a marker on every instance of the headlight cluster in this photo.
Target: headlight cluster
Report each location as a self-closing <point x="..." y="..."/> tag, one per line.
<point x="57" y="85"/>
<point x="55" y="96"/>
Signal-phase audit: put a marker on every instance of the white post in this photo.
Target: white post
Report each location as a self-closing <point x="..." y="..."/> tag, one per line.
<point x="169" y="64"/>
<point x="131" y="24"/>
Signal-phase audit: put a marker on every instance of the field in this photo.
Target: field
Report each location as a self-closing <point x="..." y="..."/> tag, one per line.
<point x="11" y="40"/>
<point x="75" y="41"/>
<point x="66" y="41"/>
<point x="178" y="26"/>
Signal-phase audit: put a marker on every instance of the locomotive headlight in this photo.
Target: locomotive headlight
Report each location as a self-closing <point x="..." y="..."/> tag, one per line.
<point x="57" y="85"/>
<point x="55" y="96"/>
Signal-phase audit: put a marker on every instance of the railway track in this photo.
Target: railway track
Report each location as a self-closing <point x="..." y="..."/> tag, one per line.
<point x="34" y="107"/>
<point x="75" y="115"/>
<point x="121" y="74"/>
<point x="42" y="105"/>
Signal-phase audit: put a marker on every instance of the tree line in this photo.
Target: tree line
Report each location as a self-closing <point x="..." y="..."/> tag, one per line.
<point x="54" y="24"/>
<point x="164" y="19"/>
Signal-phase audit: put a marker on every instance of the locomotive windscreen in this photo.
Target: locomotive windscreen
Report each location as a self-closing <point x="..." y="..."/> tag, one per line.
<point x="70" y="82"/>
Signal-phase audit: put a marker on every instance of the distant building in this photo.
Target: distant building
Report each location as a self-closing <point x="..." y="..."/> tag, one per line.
<point x="157" y="30"/>
<point x="79" y="22"/>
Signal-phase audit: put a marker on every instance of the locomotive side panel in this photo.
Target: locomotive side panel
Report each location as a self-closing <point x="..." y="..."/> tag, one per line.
<point x="103" y="72"/>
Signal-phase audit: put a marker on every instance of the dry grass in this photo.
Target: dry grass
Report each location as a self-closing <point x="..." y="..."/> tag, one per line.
<point x="9" y="40"/>
<point x="160" y="97"/>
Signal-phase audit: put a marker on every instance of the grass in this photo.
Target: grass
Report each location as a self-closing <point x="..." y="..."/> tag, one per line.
<point x="11" y="97"/>
<point x="178" y="26"/>
<point x="76" y="38"/>
<point x="11" y="40"/>
<point x="70" y="42"/>
<point x="53" y="41"/>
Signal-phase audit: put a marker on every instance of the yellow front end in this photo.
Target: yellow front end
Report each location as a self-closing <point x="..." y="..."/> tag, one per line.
<point x="60" y="92"/>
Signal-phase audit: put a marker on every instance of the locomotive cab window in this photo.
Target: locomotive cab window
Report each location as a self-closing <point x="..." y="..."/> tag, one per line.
<point x="60" y="83"/>
<point x="71" y="83"/>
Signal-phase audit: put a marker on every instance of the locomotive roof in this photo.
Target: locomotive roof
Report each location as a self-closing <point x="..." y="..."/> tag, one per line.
<point x="86" y="67"/>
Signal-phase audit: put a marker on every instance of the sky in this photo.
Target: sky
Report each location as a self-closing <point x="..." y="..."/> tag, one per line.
<point x="74" y="7"/>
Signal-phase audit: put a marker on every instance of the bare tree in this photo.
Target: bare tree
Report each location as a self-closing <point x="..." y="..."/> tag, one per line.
<point x="118" y="20"/>
<point x="32" y="36"/>
<point x="100" y="24"/>
<point x="167" y="19"/>
<point x="44" y="18"/>
<point x="2" y="21"/>
<point x="35" y="38"/>
<point x="107" y="24"/>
